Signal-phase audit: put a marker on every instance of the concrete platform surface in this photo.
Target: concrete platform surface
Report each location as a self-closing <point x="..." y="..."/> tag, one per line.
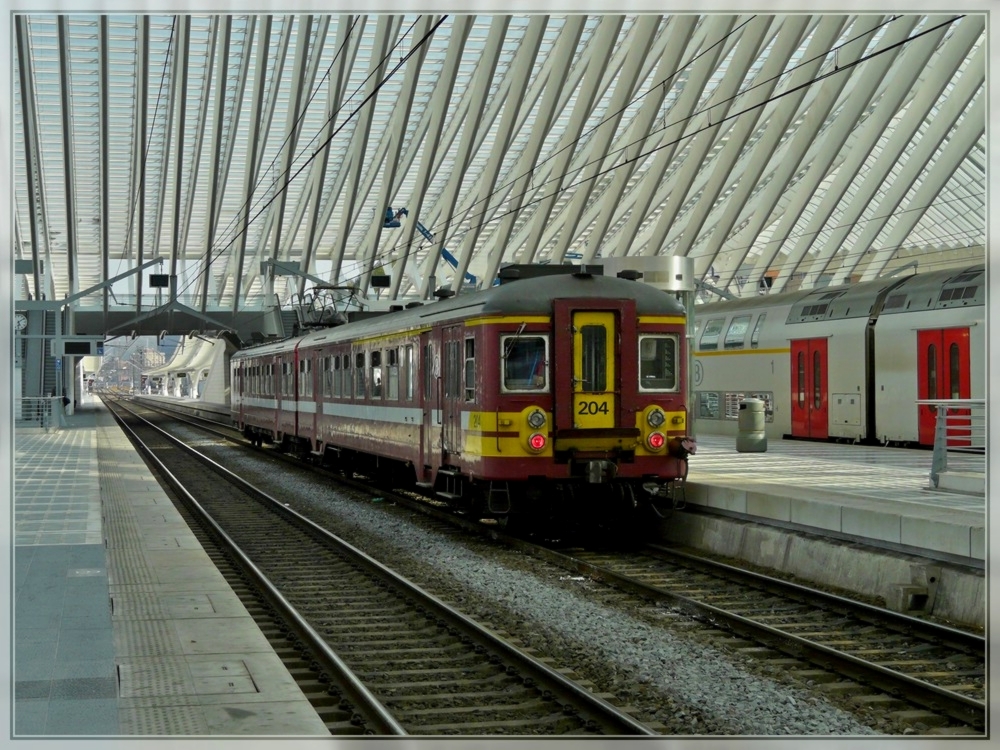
<point x="875" y="494"/>
<point x="122" y="623"/>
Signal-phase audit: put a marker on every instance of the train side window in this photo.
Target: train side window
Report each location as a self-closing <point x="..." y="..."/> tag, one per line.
<point x="658" y="363"/>
<point x="817" y="380"/>
<point x="376" y="362"/>
<point x="470" y="369"/>
<point x="346" y="375"/>
<point x="801" y="372"/>
<point x="392" y="374"/>
<point x="305" y="382"/>
<point x="710" y="336"/>
<point x="287" y="384"/>
<point x="756" y="330"/>
<point x="452" y="372"/>
<point x="410" y="372"/>
<point x="525" y="363"/>
<point x="336" y="376"/>
<point x="359" y="375"/>
<point x="736" y="334"/>
<point x="708" y="404"/>
<point x="954" y="371"/>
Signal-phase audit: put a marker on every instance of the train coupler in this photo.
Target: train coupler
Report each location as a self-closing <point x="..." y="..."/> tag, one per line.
<point x="600" y="471"/>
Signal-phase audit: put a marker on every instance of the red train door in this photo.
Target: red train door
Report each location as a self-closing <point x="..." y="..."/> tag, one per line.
<point x="430" y="439"/>
<point x="942" y="372"/>
<point x="810" y="400"/>
<point x="453" y="394"/>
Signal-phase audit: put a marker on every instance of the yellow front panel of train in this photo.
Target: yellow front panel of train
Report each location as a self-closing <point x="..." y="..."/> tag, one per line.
<point x="594" y="371"/>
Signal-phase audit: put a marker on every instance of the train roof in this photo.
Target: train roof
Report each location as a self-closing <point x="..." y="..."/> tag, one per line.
<point x="531" y="296"/>
<point x="927" y="290"/>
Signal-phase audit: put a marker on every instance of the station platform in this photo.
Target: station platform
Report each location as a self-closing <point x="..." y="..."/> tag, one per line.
<point x="122" y="624"/>
<point x="863" y="519"/>
<point x="879" y="494"/>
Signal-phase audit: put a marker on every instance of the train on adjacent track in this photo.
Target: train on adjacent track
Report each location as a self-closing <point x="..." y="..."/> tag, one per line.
<point x="550" y="396"/>
<point x="846" y="363"/>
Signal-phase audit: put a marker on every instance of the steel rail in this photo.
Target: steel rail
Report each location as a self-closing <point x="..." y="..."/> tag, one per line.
<point x="378" y="715"/>
<point x="615" y="720"/>
<point x="933" y="697"/>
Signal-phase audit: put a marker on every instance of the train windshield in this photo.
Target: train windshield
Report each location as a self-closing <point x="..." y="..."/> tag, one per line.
<point x="525" y="363"/>
<point x="658" y="363"/>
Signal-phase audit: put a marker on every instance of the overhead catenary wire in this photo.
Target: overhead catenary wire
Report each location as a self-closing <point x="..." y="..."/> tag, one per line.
<point x="641" y="155"/>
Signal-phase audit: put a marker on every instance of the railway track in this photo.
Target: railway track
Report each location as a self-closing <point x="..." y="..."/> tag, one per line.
<point x="405" y="661"/>
<point x="912" y="670"/>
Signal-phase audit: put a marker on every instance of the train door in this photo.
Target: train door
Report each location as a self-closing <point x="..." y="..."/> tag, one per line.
<point x="943" y="372"/>
<point x="430" y="439"/>
<point x="810" y="401"/>
<point x="452" y="393"/>
<point x="588" y="365"/>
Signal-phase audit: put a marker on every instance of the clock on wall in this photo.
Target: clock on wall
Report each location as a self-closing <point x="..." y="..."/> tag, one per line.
<point x="20" y="321"/>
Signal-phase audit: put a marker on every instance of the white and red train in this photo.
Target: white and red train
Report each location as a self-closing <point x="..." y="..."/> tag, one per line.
<point x="845" y="363"/>
<point x="541" y="396"/>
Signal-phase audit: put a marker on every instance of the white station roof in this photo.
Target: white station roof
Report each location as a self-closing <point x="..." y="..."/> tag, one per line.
<point x="805" y="148"/>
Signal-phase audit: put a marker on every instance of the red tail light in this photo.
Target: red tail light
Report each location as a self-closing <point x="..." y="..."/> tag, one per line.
<point x="537" y="441"/>
<point x="656" y="440"/>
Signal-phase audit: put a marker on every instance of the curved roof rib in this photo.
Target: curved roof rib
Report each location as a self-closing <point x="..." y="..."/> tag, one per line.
<point x="796" y="149"/>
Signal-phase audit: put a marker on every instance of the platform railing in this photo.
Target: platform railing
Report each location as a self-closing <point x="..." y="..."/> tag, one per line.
<point x="39" y="411"/>
<point x="960" y="427"/>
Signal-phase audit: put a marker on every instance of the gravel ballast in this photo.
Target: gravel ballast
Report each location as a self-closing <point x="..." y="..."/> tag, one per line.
<point x="674" y="678"/>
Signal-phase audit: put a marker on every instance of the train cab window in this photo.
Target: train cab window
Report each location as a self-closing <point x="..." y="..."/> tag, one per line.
<point x="736" y="334"/>
<point x="595" y="359"/>
<point x="470" y="369"/>
<point x="409" y="372"/>
<point x="710" y="336"/>
<point x="755" y="336"/>
<point x="376" y="360"/>
<point x="525" y="363"/>
<point x="392" y="374"/>
<point x="359" y="375"/>
<point x="658" y="363"/>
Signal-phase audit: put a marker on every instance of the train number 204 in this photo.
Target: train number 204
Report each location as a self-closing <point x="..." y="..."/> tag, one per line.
<point x="592" y="407"/>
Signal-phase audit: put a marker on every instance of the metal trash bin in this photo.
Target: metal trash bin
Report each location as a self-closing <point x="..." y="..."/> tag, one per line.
<point x="751" y="437"/>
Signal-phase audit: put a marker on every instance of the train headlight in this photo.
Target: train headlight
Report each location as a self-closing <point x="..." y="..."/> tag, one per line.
<point x="537" y="442"/>
<point x="536" y="419"/>
<point x="656" y="441"/>
<point x="656" y="418"/>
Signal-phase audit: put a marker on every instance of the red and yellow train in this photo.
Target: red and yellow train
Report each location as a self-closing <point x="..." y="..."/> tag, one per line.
<point x="542" y="396"/>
